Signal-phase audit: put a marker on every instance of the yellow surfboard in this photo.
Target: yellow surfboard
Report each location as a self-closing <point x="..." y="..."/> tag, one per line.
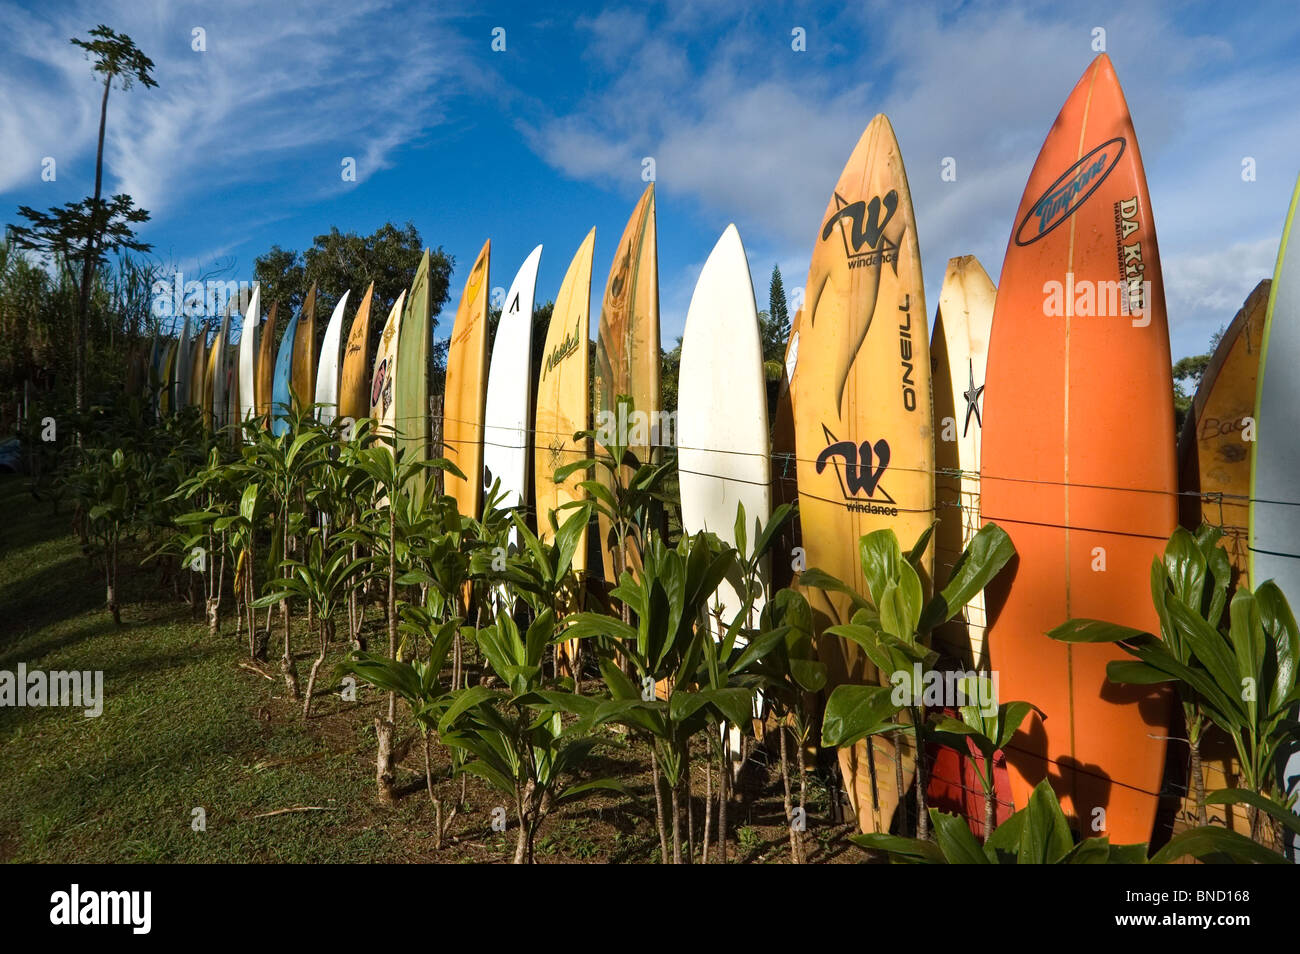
<point x="863" y="415"/>
<point x="354" y="380"/>
<point x="266" y="367"/>
<point x="563" y="399"/>
<point x="198" y="367"/>
<point x="302" y="373"/>
<point x="627" y="354"/>
<point x="210" y="379"/>
<point x="462" y="403"/>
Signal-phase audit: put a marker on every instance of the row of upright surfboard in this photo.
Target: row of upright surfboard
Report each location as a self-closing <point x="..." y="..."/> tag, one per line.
<point x="1051" y="416"/>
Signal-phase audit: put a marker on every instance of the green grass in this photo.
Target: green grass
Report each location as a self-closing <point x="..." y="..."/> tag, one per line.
<point x="185" y="726"/>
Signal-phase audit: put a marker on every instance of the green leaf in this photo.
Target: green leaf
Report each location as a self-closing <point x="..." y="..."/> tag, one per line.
<point x="1045" y="838"/>
<point x="911" y="850"/>
<point x="1216" y="846"/>
<point x="1241" y="796"/>
<point x="989" y="551"/>
<point x="855" y="712"/>
<point x="955" y="840"/>
<point x="1093" y="631"/>
<point x="881" y="560"/>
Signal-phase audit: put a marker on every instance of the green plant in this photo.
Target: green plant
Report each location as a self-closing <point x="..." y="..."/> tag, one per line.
<point x="893" y="630"/>
<point x="1241" y="678"/>
<point x="1039" y="834"/>
<point x="515" y="737"/>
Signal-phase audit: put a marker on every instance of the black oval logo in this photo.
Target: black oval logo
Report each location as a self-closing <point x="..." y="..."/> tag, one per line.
<point x="1064" y="196"/>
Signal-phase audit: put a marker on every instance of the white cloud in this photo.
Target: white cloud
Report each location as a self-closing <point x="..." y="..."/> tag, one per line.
<point x="753" y="133"/>
<point x="277" y="99"/>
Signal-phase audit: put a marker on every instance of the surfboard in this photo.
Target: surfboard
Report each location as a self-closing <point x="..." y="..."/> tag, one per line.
<point x="248" y="352"/>
<point x="331" y="355"/>
<point x="1213" y="454"/>
<point x="1078" y="463"/>
<point x="627" y="355"/>
<point x="785" y="486"/>
<point x="266" y="367"/>
<point x="220" y="372"/>
<point x="863" y="418"/>
<point x="233" y="385"/>
<point x="723" y="459"/>
<point x="1275" y="454"/>
<point x="354" y="378"/>
<point x="411" y="384"/>
<point x="302" y="371"/>
<point x="184" y="368"/>
<point x="198" y="368"/>
<point x="959" y="356"/>
<point x="509" y="400"/>
<point x="462" y="403"/>
<point x="168" y="378"/>
<point x="281" y="392"/>
<point x="564" y="401"/>
<point x="383" y="407"/>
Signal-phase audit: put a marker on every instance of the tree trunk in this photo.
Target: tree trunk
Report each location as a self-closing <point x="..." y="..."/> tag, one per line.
<point x="88" y="262"/>
<point x="724" y="785"/>
<point x="384" y="727"/>
<point x="659" y="805"/>
<point x="326" y="628"/>
<point x="675" y="794"/>
<point x="787" y="800"/>
<point x="922" y="810"/>
<point x="1198" y="782"/>
<point x="803" y="798"/>
<point x="708" y="806"/>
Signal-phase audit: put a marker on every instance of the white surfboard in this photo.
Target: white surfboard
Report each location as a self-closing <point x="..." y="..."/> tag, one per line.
<point x="248" y="357"/>
<point x="960" y="354"/>
<point x="331" y="357"/>
<point x="510" y="390"/>
<point x="723" y="448"/>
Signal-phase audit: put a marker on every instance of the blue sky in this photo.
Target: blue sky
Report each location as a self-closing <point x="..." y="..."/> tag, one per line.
<point x="240" y="147"/>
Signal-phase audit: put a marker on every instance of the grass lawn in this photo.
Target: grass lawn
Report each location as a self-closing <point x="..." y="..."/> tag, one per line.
<point x="185" y="726"/>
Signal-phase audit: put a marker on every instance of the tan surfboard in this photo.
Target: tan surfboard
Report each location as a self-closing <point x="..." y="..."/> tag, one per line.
<point x="462" y="403"/>
<point x="354" y="379"/>
<point x="627" y="354"/>
<point x="302" y="373"/>
<point x="198" y="366"/>
<point x="266" y="367"/>
<point x="1214" y="477"/>
<point x="959" y="356"/>
<point x="863" y="417"/>
<point x="563" y="399"/>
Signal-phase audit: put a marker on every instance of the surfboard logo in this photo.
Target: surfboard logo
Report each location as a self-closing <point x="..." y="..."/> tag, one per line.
<point x="568" y="345"/>
<point x="382" y="389"/>
<point x="1071" y="189"/>
<point x="862" y="229"/>
<point x="860" y="467"/>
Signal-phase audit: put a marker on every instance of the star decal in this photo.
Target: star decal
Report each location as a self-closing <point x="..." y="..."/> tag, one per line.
<point x="972" y="396"/>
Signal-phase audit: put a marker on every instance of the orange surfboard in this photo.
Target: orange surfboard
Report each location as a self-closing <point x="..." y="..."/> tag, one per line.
<point x="1078" y="462"/>
<point x="466" y="389"/>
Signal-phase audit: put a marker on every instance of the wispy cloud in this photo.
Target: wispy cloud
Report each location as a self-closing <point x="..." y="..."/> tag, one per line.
<point x="277" y="99"/>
